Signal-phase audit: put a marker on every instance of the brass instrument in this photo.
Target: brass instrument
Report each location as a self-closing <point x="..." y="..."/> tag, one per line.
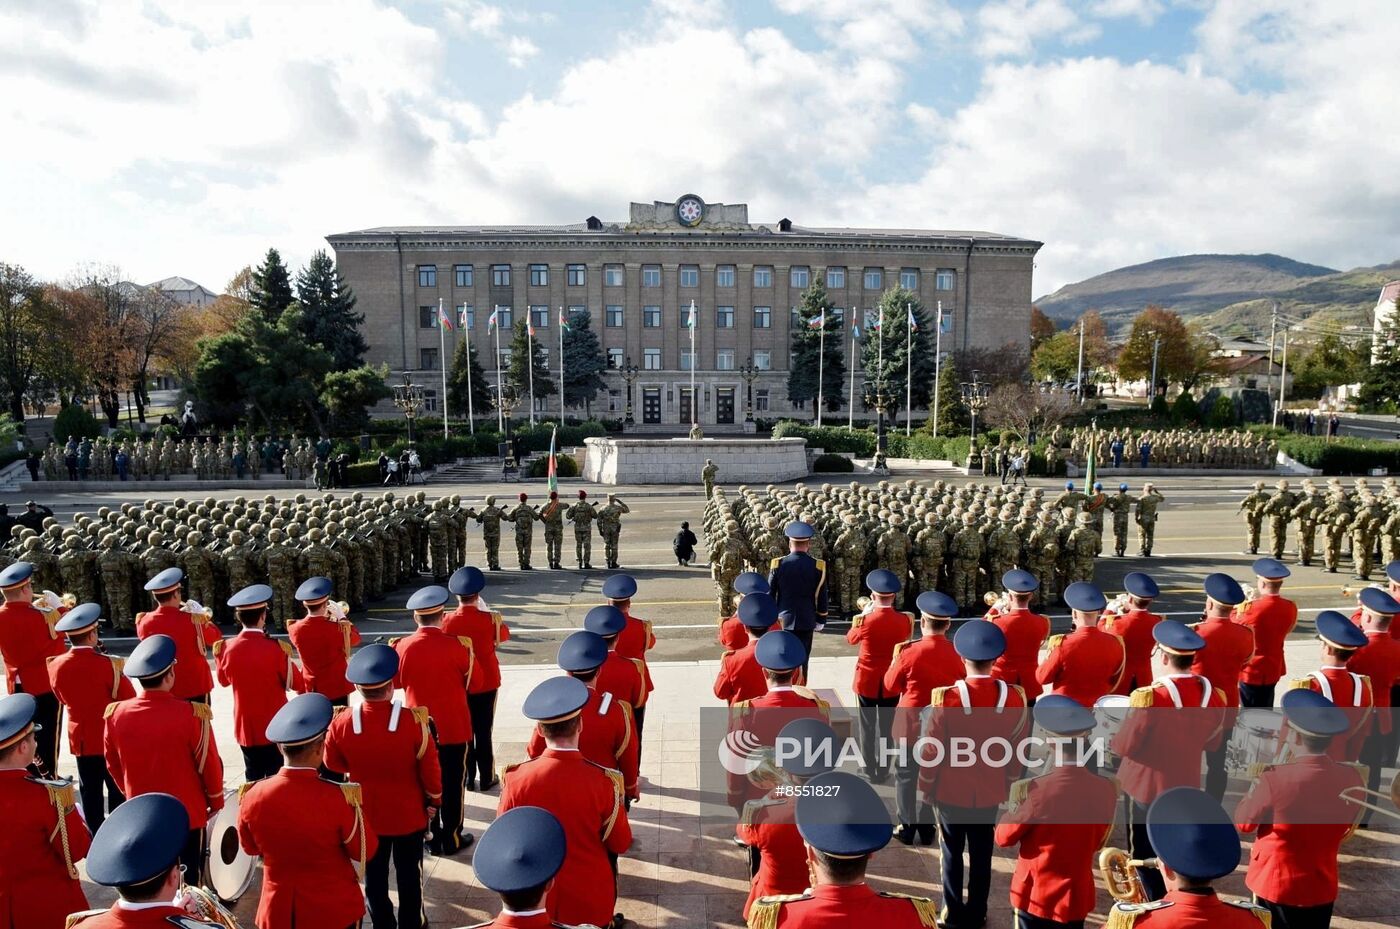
<point x="201" y="904"/>
<point x="767" y="774"/>
<point x="1120" y="875"/>
<point x="1355" y="795"/>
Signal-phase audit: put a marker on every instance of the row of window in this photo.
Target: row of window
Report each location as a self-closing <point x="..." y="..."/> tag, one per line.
<point x="614" y="317"/>
<point x="428" y="359"/>
<point x="614" y="275"/>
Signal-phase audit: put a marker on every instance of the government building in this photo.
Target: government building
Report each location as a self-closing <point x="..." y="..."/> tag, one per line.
<point x="637" y="280"/>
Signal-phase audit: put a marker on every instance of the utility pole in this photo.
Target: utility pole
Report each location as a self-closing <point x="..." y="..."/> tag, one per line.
<point x="1079" y="371"/>
<point x="1273" y="333"/>
<point x="1152" y="387"/>
<point x="1283" y="379"/>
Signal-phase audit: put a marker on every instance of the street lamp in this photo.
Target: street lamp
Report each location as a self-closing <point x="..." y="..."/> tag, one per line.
<point x="630" y="373"/>
<point x="749" y="373"/>
<point x="408" y="397"/>
<point x="877" y="395"/>
<point x="974" y="395"/>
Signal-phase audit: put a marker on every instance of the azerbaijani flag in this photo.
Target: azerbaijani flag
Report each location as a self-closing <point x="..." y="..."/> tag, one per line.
<point x="444" y="320"/>
<point x="563" y="323"/>
<point x="913" y="323"/>
<point x="462" y="315"/>
<point x="493" y="320"/>
<point x="553" y="472"/>
<point x="855" y="331"/>
<point x="690" y="318"/>
<point x="817" y="322"/>
<point x="530" y="328"/>
<point x="1091" y="472"/>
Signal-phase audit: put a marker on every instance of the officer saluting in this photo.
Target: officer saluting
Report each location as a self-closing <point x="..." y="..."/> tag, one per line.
<point x="486" y="630"/>
<point x="311" y="833"/>
<point x="44" y="837"/>
<point x="843" y="822"/>
<point x="261" y="671"/>
<point x="518" y="857"/>
<point x="27" y="640"/>
<point x="137" y="851"/>
<point x="798" y="583"/>
<point x="1196" y="844"/>
<point x="192" y="633"/>
<point x="323" y="642"/>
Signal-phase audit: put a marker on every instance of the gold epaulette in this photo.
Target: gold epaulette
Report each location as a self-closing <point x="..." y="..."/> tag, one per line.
<point x="203" y="711"/>
<point x="821" y="563"/>
<point x="1141" y="697"/>
<point x="117" y="665"/>
<point x="140" y="616"/>
<point x="1263" y="915"/>
<point x="61" y="794"/>
<point x="926" y="908"/>
<point x="1221" y="694"/>
<point x="936" y="699"/>
<point x="467" y="641"/>
<point x="809" y="694"/>
<point x="510" y="768"/>
<point x="218" y="647"/>
<point x="753" y="806"/>
<point x="74" y="919"/>
<point x="1020" y="791"/>
<point x="394" y="642"/>
<point x="774" y="563"/>
<point x="244" y="788"/>
<point x="352" y="793"/>
<point x="1300" y="683"/>
<point x="497" y="620"/>
<point x="111" y="708"/>
<point x="1124" y="915"/>
<point x="337" y="710"/>
<point x="763" y="914"/>
<point x="1054" y="641"/>
<point x="857" y="620"/>
<point x="900" y="647"/>
<point x="420" y="716"/>
<point x="287" y="647"/>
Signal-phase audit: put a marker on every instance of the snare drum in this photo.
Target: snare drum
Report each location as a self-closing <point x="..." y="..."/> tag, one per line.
<point x="1255" y="741"/>
<point x="229" y="869"/>
<point x="1109" y="713"/>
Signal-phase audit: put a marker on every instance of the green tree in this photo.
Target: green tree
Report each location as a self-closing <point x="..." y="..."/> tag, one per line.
<point x="1184" y="356"/>
<point x="347" y="396"/>
<point x="817" y="324"/>
<point x="26" y="321"/>
<point x="951" y="412"/>
<point x="482" y="396"/>
<point x="328" y="315"/>
<point x="219" y="373"/>
<point x="518" y="374"/>
<point x="1057" y="358"/>
<point x="1330" y="363"/>
<point x="894" y="311"/>
<point x="1380" y="382"/>
<point x="271" y="288"/>
<point x="584" y="362"/>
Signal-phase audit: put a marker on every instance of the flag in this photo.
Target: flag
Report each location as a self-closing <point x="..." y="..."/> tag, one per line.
<point x="817" y="322"/>
<point x="462" y="315"/>
<point x="913" y="323"/>
<point x="1091" y="473"/>
<point x="530" y="327"/>
<point x="690" y="319"/>
<point x="553" y="472"/>
<point x="492" y="321"/>
<point x="855" y="331"/>
<point x="879" y="320"/>
<point x="563" y="323"/>
<point x="444" y="320"/>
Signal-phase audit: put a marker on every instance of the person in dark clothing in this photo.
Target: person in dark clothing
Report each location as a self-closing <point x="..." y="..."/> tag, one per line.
<point x="33" y="516"/>
<point x="7" y="522"/>
<point x="517" y="451"/>
<point x="684" y="545"/>
<point x="32" y="463"/>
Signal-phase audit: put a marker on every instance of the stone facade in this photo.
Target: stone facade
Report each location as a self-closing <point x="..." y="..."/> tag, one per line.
<point x="679" y="461"/>
<point x="651" y="268"/>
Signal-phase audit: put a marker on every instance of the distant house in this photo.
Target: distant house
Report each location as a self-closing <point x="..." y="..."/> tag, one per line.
<point x="1242" y="348"/>
<point x="1249" y="372"/>
<point x="185" y="291"/>
<point x="1385" y="312"/>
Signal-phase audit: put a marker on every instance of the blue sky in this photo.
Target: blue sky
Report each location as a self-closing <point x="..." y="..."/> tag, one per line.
<point x="164" y="137"/>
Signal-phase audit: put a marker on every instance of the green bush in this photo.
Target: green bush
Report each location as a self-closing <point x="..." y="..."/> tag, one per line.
<point x="830" y="463"/>
<point x="829" y="438"/>
<point x="1341" y="456"/>
<point x="568" y="467"/>
<point x="1222" y="413"/>
<point x="1185" y="410"/>
<point x="363" y="474"/>
<point x="74" y="420"/>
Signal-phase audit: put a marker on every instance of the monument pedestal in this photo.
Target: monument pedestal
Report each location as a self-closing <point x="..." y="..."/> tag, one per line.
<point x="678" y="461"/>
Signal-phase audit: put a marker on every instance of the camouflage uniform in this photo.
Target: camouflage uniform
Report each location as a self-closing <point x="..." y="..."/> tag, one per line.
<point x="1307" y="510"/>
<point x="552" y="515"/>
<point x="440" y="529"/>
<point x="850" y="558"/>
<point x="1278" y="508"/>
<point x="728" y="565"/>
<point x="283" y="576"/>
<point x="77" y="566"/>
<point x="707" y="477"/>
<point x="1121" y="506"/>
<point x="197" y="564"/>
<point x="610" y="527"/>
<point x="524" y="516"/>
<point x="490" y="518"/>
<point x="1147" y="518"/>
<point x="967" y="558"/>
<point x="581" y="514"/>
<point x="1252" y="507"/>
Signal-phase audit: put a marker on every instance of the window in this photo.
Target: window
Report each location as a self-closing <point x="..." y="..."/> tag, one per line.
<point x="724" y="359"/>
<point x="614" y="401"/>
<point x="651" y="275"/>
<point x="539" y="317"/>
<point x="760" y="400"/>
<point x="763" y="317"/>
<point x="909" y="278"/>
<point x="838" y="314"/>
<point x="612" y="316"/>
<point x="577" y="275"/>
<point x="724" y="276"/>
<point x="500" y="275"/>
<point x="466" y="316"/>
<point x="615" y="359"/>
<point x="505" y="358"/>
<point x="687" y="360"/>
<point x="651" y="359"/>
<point x="427" y="359"/>
<point x="539" y="275"/>
<point x="612" y="275"/>
<point x="427" y="275"/>
<point x="690" y="276"/>
<point x="944" y="279"/>
<point x="762" y="276"/>
<point x="835" y="277"/>
<point x="544" y="354"/>
<point x="724" y="317"/>
<point x="430" y="401"/>
<point x="800" y="277"/>
<point x="763" y="360"/>
<point x="874" y="279"/>
<point x="462" y="275"/>
<point x="427" y="317"/>
<point x="505" y="317"/>
<point x="651" y="317"/>
<point x="574" y="310"/>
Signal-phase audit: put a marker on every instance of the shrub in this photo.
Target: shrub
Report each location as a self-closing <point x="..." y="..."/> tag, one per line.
<point x="830" y="463"/>
<point x="1341" y="456"/>
<point x="1222" y="413"/>
<point x="829" y="438"/>
<point x="1185" y="410"/>
<point x="74" y="420"/>
<point x="568" y="467"/>
<point x="362" y="474"/>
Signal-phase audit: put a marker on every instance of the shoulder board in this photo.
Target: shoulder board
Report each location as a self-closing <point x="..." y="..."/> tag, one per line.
<point x="926" y="908"/>
<point x="741" y="705"/>
<point x="774" y="562"/>
<point x="763" y="914"/>
<point x="1124" y="915"/>
<point x="203" y="711"/>
<point x="60" y="793"/>
<point x="937" y="697"/>
<point x="337" y="710"/>
<point x="1141" y="697"/>
<point x="140" y="616"/>
<point x="286" y="647"/>
<point x="809" y="694"/>
<point x="111" y="708"/>
<point x="351" y="792"/>
<point x="244" y="788"/>
<point x="1020" y="790"/>
<point x="1300" y="683"/>
<point x="394" y="642"/>
<point x="420" y="714"/>
<point x="900" y="647"/>
<point x="857" y="620"/>
<point x="821" y="564"/>
<point x="752" y="807"/>
<point x="218" y="647"/>
<point x="467" y="641"/>
<point x="75" y="918"/>
<point x="1055" y="641"/>
<point x="511" y="768"/>
<point x="1260" y="912"/>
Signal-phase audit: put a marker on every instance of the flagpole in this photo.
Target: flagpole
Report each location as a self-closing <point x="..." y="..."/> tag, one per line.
<point x="500" y="380"/>
<point x="880" y="364"/>
<point x="561" y="364"/>
<point x="908" y="366"/>
<point x="467" y="341"/>
<point x="693" y="404"/>
<point x="821" y="365"/>
<point x="530" y="355"/>
<point x="937" y="363"/>
<point x="442" y="355"/>
<point x="851" y="414"/>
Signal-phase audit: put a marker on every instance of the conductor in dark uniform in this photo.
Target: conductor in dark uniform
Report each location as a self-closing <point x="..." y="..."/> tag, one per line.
<point x="798" y="583"/>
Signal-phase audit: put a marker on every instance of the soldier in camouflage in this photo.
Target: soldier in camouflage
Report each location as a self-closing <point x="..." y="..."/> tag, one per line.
<point x="490" y="518"/>
<point x="524" y="516"/>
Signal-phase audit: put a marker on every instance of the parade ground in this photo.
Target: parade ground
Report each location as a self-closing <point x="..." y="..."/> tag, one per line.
<point x="685" y="872"/>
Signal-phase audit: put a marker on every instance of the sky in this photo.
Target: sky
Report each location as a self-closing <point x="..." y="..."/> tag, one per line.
<point x="169" y="137"/>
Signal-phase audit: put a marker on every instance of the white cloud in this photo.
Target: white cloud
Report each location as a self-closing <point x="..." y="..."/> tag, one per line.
<point x="888" y="28"/>
<point x="1010" y="28"/>
<point x="1144" y="11"/>
<point x="498" y="25"/>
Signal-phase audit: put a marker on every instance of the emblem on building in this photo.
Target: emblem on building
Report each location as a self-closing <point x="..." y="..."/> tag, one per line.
<point x="690" y="209"/>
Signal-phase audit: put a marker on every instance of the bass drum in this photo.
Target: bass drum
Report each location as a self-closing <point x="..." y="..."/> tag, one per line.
<point x="229" y="869"/>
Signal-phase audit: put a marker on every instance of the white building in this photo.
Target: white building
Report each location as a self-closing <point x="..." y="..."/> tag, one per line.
<point x="1385" y="312"/>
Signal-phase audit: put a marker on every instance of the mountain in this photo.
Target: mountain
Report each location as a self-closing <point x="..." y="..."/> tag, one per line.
<point x="1197" y="285"/>
<point x="1335" y="302"/>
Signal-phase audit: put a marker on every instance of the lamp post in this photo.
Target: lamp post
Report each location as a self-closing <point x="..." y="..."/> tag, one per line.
<point x="408" y="397"/>
<point x="630" y="373"/>
<point x="878" y="396"/>
<point x="749" y="373"/>
<point x="508" y="400"/>
<point x="974" y="395"/>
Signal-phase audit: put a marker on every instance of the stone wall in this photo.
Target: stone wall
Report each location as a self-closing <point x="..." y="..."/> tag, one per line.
<point x="679" y="461"/>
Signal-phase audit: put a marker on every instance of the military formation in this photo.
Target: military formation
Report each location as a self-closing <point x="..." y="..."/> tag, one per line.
<point x="1165" y="448"/>
<point x="1334" y="523"/>
<point x="955" y="539"/>
<point x="207" y="459"/>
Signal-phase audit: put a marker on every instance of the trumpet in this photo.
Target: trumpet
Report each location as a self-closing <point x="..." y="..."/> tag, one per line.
<point x="1121" y="877"/>
<point x="1356" y="794"/>
<point x="338" y="609"/>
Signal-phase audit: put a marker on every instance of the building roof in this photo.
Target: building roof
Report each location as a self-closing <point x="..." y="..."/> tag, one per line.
<point x="1246" y="364"/>
<point x="1390" y="293"/>
<point x="615" y="229"/>
<point x="179" y="283"/>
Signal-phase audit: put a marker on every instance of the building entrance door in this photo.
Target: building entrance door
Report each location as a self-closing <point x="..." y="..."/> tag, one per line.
<point x="651" y="404"/>
<point x="686" y="406"/>
<point x="724" y="404"/>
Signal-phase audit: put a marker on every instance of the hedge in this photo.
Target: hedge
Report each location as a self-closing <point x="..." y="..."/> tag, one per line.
<point x="829" y="438"/>
<point x="568" y="467"/>
<point x="74" y="420"/>
<point x="363" y="474"/>
<point x="830" y="463"/>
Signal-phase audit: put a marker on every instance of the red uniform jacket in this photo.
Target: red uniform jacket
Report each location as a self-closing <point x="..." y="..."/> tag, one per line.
<point x="1084" y="664"/>
<point x="765" y="717"/>
<point x="634" y="641"/>
<point x="977" y="785"/>
<point x="157" y="917"/>
<point x="1025" y="633"/>
<point x="1055" y="867"/>
<point x="486" y="631"/>
<point x="158" y="743"/>
<point x="324" y="645"/>
<point x="261" y="671"/>
<point x="1135" y="629"/>
<point x="767" y="824"/>
<point x="535" y="919"/>
<point x="918" y="668"/>
<point x="310" y="834"/>
<point x="877" y="633"/>
<point x="1379" y="660"/>
<point x="1394" y="626"/>
<point x="1162" y="741"/>
<point x="1228" y="647"/>
<point x="85" y="682"/>
<point x="732" y="634"/>
<point x="740" y="675"/>
<point x="587" y="801"/>
<point x="36" y="889"/>
<point x="833" y="906"/>
<point x="388" y="750"/>
<point x="435" y="671"/>
<point x="1180" y="909"/>
<point x="623" y="678"/>
<point x="1272" y="618"/>
<point x="193" y="635"/>
<point x="1351" y="692"/>
<point x="606" y="738"/>
<point x="26" y="642"/>
<point x="1301" y="821"/>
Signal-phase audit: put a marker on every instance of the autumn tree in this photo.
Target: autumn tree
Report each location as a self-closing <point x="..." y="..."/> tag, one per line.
<point x="1330" y="363"/>
<point x="1184" y="357"/>
<point x="1025" y="410"/>
<point x="1042" y="327"/>
<point x="161" y="332"/>
<point x="1057" y="358"/>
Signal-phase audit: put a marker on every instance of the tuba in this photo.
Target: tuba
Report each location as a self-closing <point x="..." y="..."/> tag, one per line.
<point x="201" y="904"/>
<point x="1120" y="875"/>
<point x="767" y="774"/>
